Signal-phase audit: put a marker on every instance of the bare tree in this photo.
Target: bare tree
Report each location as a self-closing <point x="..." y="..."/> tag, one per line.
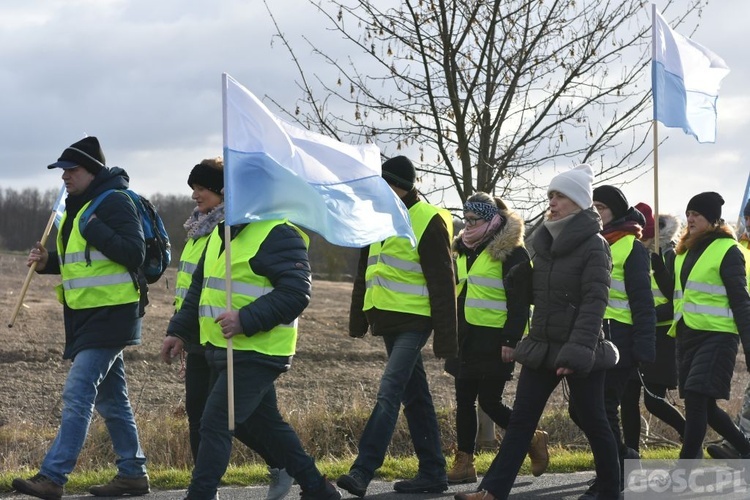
<point x="482" y="93"/>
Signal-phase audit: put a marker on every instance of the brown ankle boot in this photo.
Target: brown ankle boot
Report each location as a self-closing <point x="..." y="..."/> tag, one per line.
<point x="463" y="469"/>
<point x="538" y="452"/>
<point x="38" y="486"/>
<point x="122" y="486"/>
<point x="474" y="495"/>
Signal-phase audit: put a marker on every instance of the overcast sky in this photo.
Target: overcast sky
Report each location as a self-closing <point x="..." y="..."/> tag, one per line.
<point x="144" y="76"/>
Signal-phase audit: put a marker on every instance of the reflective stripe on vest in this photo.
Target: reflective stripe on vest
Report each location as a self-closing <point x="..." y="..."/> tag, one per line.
<point x="98" y="283"/>
<point x="247" y="287"/>
<point x="704" y="304"/>
<point x="618" y="306"/>
<point x="394" y="280"/>
<point x="485" y="303"/>
<point x="189" y="258"/>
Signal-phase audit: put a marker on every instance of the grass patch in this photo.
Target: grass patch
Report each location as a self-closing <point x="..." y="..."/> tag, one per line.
<point x="394" y="468"/>
<point x="331" y="438"/>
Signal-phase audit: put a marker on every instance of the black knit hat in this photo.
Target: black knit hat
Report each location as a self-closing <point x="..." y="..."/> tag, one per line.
<point x="614" y="199"/>
<point x="399" y="171"/>
<point x="707" y="204"/>
<point x="87" y="153"/>
<point x="209" y="174"/>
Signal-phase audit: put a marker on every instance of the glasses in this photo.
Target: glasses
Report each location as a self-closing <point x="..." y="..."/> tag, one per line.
<point x="472" y="221"/>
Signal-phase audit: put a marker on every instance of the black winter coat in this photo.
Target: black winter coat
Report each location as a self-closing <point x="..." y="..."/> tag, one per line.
<point x="283" y="259"/>
<point x="571" y="276"/>
<point x="706" y="359"/>
<point x="480" y="347"/>
<point x="663" y="370"/>
<point x="116" y="232"/>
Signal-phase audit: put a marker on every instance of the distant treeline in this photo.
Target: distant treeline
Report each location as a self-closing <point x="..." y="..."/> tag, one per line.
<point x="24" y="214"/>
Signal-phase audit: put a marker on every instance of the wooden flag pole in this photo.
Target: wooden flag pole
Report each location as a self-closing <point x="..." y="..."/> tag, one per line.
<point x="230" y="355"/>
<point x="657" y="248"/>
<point x="32" y="270"/>
<point x="656" y="188"/>
<point x="228" y="273"/>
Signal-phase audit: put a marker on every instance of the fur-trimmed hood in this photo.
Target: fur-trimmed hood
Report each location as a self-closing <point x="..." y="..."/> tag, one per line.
<point x="505" y="240"/>
<point x="669" y="232"/>
<point x="722" y="230"/>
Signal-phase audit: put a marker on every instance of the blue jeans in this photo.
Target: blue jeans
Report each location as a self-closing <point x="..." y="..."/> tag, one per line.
<point x="255" y="408"/>
<point x="96" y="380"/>
<point x="404" y="381"/>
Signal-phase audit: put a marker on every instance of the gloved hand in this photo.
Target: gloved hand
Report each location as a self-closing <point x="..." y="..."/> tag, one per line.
<point x="356" y="334"/>
<point x="657" y="264"/>
<point x="358" y="325"/>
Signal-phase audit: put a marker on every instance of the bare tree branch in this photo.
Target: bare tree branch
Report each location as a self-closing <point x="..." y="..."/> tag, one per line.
<point x="484" y="93"/>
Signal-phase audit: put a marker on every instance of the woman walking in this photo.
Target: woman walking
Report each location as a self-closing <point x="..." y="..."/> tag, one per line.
<point x="656" y="378"/>
<point x="492" y="318"/>
<point x="206" y="179"/>
<point x="711" y="315"/>
<point x="570" y="286"/>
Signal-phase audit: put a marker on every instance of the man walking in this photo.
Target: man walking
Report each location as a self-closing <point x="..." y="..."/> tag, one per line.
<point x="98" y="260"/>
<point x="404" y="294"/>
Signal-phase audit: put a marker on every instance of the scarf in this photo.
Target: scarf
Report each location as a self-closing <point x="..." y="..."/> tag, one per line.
<point x="555" y="227"/>
<point x="200" y="224"/>
<point x="614" y="233"/>
<point x="473" y="236"/>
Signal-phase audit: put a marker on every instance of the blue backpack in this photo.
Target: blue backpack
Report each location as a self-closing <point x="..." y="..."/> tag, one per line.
<point x="158" y="249"/>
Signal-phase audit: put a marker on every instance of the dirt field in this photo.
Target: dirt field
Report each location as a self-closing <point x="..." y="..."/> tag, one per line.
<point x="330" y="368"/>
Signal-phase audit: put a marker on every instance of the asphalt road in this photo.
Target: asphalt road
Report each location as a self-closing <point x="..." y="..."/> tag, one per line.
<point x="548" y="486"/>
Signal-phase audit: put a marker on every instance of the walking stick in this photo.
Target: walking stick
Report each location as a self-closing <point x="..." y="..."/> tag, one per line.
<point x="32" y="269"/>
<point x="230" y="355"/>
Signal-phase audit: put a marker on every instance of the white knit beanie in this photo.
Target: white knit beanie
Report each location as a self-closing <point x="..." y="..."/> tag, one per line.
<point x="576" y="184"/>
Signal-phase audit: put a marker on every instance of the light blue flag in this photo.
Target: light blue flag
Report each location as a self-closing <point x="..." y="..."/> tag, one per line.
<point x="275" y="170"/>
<point x="685" y="79"/>
<point x="59" y="206"/>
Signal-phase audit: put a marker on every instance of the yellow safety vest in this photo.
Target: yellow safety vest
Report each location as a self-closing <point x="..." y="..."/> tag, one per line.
<point x="485" y="303"/>
<point x="189" y="258"/>
<point x="394" y="278"/>
<point x="618" y="306"/>
<point x="704" y="304"/>
<point x="101" y="283"/>
<point x="659" y="298"/>
<point x="247" y="287"/>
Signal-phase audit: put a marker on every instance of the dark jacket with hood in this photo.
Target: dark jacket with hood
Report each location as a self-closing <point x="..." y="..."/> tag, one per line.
<point x="116" y="232"/>
<point x="635" y="342"/>
<point x="570" y="282"/>
<point x="480" y="347"/>
<point x="437" y="267"/>
<point x="663" y="370"/>
<point x="706" y="359"/>
<point x="283" y="259"/>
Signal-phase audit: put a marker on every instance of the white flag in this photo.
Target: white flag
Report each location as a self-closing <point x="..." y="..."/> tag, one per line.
<point x="685" y="79"/>
<point x="275" y="170"/>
